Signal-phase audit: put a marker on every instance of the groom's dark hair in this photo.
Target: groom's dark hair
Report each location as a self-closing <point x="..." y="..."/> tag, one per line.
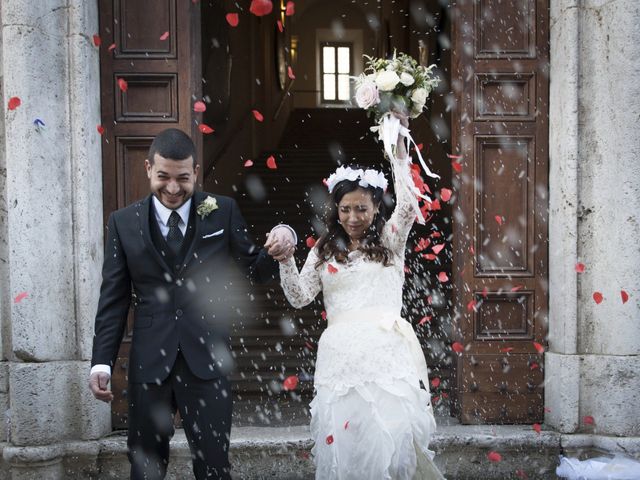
<point x="174" y="144"/>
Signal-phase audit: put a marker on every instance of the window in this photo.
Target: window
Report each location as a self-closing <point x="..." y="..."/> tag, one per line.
<point x="336" y="72"/>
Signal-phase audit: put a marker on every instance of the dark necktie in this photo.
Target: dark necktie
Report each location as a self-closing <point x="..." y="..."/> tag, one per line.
<point x="174" y="237"/>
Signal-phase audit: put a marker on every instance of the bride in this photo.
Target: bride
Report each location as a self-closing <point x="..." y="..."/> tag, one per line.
<point x="371" y="416"/>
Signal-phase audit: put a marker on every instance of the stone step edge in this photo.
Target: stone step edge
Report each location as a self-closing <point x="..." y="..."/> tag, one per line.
<point x="495" y="437"/>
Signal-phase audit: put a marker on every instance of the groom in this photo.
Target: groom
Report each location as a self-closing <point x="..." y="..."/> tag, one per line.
<point x="168" y="255"/>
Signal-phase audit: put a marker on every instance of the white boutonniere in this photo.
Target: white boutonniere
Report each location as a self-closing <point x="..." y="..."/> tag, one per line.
<point x="206" y="207"/>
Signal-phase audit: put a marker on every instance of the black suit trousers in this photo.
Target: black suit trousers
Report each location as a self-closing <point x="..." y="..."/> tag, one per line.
<point x="205" y="407"/>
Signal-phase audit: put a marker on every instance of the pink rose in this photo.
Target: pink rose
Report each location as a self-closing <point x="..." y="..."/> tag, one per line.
<point x="367" y="94"/>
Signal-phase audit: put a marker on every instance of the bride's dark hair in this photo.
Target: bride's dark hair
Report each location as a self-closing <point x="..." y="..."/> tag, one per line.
<point x="334" y="242"/>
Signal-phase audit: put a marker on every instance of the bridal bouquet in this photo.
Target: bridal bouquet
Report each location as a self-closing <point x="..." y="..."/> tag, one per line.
<point x="399" y="85"/>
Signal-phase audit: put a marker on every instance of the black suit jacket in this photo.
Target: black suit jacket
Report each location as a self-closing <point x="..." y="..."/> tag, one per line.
<point x="186" y="305"/>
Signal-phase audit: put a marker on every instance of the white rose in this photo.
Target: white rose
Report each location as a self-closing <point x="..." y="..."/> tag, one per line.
<point x="419" y="96"/>
<point x="387" y="80"/>
<point x="416" y="110"/>
<point x="367" y="94"/>
<point x="373" y="178"/>
<point x="211" y="202"/>
<point x="406" y="79"/>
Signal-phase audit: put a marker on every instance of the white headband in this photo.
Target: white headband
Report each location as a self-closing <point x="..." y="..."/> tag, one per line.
<point x="366" y="178"/>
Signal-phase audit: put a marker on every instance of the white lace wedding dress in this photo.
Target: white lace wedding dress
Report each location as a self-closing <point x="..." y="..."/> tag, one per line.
<point x="369" y="419"/>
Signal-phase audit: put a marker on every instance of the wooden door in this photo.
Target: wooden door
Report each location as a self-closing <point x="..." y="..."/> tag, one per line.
<point x="500" y="68"/>
<point x="157" y="54"/>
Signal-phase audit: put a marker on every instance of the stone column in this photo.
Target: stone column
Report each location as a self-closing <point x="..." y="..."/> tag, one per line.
<point x="53" y="228"/>
<point x="592" y="369"/>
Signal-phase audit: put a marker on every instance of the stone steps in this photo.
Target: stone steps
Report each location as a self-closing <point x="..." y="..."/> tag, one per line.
<point x="283" y="453"/>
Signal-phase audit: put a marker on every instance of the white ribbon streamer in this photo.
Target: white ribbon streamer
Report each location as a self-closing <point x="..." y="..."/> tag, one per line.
<point x="389" y="128"/>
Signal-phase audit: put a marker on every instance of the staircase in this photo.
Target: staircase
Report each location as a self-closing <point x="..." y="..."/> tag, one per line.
<point x="277" y="341"/>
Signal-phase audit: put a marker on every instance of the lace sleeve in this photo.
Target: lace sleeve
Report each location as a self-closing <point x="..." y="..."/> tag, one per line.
<point x="300" y="288"/>
<point x="397" y="229"/>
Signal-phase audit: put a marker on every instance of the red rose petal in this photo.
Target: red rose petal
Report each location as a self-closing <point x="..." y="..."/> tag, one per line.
<point x="290" y="73"/>
<point x="435" y="399"/>
<point x="261" y="7"/>
<point x="471" y="306"/>
<point x="424" y="320"/>
<point x="422" y="244"/>
<point x="290" y="383"/>
<point x="457" y="347"/>
<point x="498" y="219"/>
<point x="271" y="162"/>
<point x="429" y="299"/>
<point x="346" y="424"/>
<point x="588" y="420"/>
<point x="21" y="296"/>
<point x="14" y="102"/>
<point x="435" y="382"/>
<point x="323" y="314"/>
<point x="580" y="267"/>
<point x="232" y="19"/>
<point x="442" y="276"/>
<point x="539" y="348"/>
<point x="257" y="115"/>
<point x="456" y="166"/>
<point x="206" y="129"/>
<point x="332" y="269"/>
<point x="100" y="129"/>
<point x="394" y="229"/>
<point x="248" y="163"/>
<point x="97" y="41"/>
<point x="506" y="349"/>
<point x="429" y="256"/>
<point x="122" y="83"/>
<point x="164" y="36"/>
<point x="494" y="457"/>
<point x="280" y="26"/>
<point x="290" y="9"/>
<point x="445" y="194"/>
<point x="329" y="440"/>
<point x="517" y="288"/>
<point x="112" y="47"/>
<point x="309" y="346"/>
<point x="597" y="297"/>
<point x="472" y="250"/>
<point x="199" y="107"/>
<point x="485" y="292"/>
<point x="311" y="242"/>
<point x="625" y="296"/>
<point x="547" y="409"/>
<point x="437" y="248"/>
<point x="537" y="427"/>
<point x="534" y="366"/>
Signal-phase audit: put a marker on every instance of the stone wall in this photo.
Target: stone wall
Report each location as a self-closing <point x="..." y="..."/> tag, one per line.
<point x="594" y="364"/>
<point x="52" y="229"/>
<point x="5" y="289"/>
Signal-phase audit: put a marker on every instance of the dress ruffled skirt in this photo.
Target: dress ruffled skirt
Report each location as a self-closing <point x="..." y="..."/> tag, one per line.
<point x="370" y="419"/>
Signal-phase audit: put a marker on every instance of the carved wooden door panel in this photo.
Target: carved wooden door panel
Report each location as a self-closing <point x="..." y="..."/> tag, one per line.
<point x="500" y="69"/>
<point x="149" y="75"/>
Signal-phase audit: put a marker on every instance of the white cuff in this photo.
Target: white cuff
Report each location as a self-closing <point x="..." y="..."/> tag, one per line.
<point x="293" y="232"/>
<point x="100" y="368"/>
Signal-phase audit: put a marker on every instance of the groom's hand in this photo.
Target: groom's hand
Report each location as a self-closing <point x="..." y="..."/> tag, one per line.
<point x="280" y="244"/>
<point x="99" y="385"/>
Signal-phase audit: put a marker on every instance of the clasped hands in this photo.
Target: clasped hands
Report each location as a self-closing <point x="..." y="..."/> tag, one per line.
<point x="280" y="244"/>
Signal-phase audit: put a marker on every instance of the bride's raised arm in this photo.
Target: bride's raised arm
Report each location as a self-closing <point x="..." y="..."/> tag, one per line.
<point x="300" y="288"/>
<point x="397" y="228"/>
